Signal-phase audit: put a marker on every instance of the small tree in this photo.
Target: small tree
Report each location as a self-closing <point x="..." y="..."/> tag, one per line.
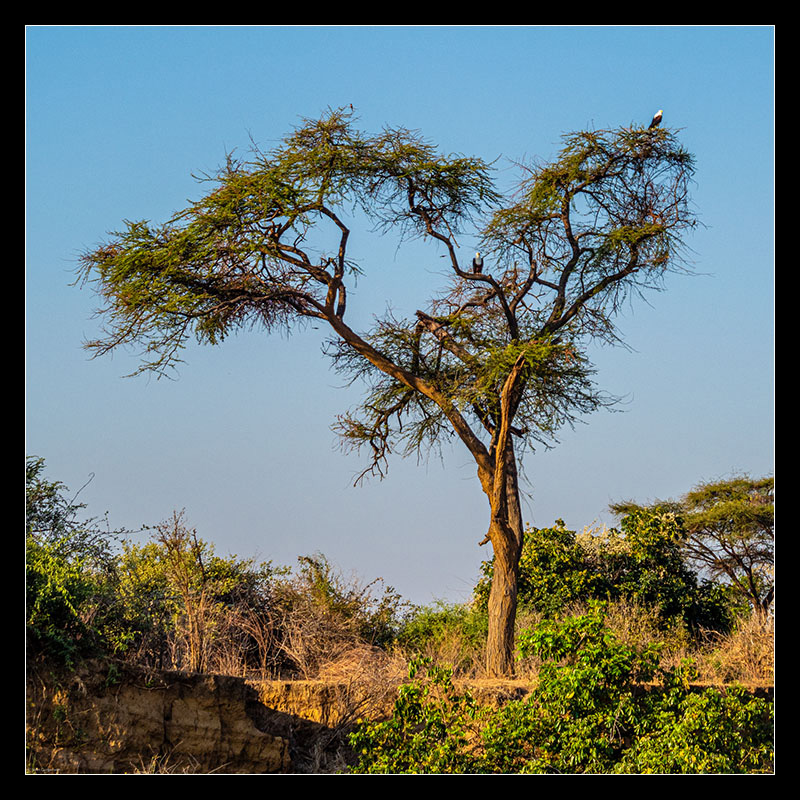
<point x="497" y="360"/>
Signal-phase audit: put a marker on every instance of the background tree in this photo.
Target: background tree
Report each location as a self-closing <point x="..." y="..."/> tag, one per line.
<point x="497" y="360"/>
<point x="730" y="527"/>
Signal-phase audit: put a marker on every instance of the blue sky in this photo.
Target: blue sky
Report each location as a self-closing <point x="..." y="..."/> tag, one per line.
<point x="119" y="119"/>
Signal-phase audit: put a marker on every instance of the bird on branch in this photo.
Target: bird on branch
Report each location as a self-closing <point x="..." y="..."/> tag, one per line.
<point x="656" y="119"/>
<point x="477" y="264"/>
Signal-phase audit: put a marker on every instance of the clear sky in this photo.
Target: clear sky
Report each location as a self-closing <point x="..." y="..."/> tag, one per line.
<point x="119" y="119"/>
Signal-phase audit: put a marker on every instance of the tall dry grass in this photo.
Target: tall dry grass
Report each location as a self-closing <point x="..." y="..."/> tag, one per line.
<point x="746" y="655"/>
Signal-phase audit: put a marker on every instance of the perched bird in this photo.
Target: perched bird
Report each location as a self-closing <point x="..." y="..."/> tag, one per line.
<point x="477" y="264"/>
<point x="656" y="119"/>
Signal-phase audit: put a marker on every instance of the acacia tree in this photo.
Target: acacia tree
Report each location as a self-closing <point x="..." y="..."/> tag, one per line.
<point x="729" y="533"/>
<point x="497" y="360"/>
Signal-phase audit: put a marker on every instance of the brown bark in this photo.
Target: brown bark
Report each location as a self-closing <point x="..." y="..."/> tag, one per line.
<point x="505" y="534"/>
<point x="502" y="606"/>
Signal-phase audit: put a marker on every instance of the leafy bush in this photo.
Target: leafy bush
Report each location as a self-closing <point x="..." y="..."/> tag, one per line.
<point x="553" y="571"/>
<point x="600" y="706"/>
<point x="67" y="563"/>
<point x="641" y="563"/>
<point x="430" y="730"/>
<point x="59" y="594"/>
<point x="704" y="732"/>
<point x="654" y="573"/>
<point x="730" y="534"/>
<point x="172" y="602"/>
<point x="180" y="605"/>
<point x="446" y="633"/>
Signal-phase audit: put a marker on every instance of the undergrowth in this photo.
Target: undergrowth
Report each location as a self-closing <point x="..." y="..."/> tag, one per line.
<point x="597" y="622"/>
<point x="599" y="706"/>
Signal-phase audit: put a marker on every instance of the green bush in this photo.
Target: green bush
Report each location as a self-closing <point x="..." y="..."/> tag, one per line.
<point x="449" y="632"/>
<point x="67" y="564"/>
<point x="599" y="707"/>
<point x="429" y="732"/>
<point x="171" y="602"/>
<point x="553" y="571"/>
<point x="59" y="602"/>
<point x="712" y="731"/>
<point x="641" y="563"/>
<point x="181" y="605"/>
<point x="653" y="572"/>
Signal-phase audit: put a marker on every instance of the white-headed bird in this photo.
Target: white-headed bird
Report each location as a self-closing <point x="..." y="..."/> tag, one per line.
<point x="656" y="119"/>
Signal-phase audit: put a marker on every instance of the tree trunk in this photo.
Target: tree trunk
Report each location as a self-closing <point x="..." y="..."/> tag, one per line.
<point x="502" y="612"/>
<point x="506" y="536"/>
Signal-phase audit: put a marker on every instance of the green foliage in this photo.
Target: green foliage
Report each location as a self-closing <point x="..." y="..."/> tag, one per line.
<point x="59" y="594"/>
<point x="642" y="563"/>
<point x="182" y="605"/>
<point x="171" y="593"/>
<point x="553" y="571"/>
<point x="429" y="731"/>
<point x="653" y="572"/>
<point x="426" y="623"/>
<point x="67" y="563"/>
<point x="455" y="633"/>
<point x="169" y="602"/>
<point x="713" y="731"/>
<point x="730" y="534"/>
<point x="584" y="704"/>
<point x="172" y="602"/>
<point x="146" y="604"/>
<point x="599" y="706"/>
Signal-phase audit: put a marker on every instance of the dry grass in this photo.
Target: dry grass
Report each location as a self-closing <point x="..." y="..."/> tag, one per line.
<point x="746" y="655"/>
<point x="370" y="676"/>
<point x="323" y="646"/>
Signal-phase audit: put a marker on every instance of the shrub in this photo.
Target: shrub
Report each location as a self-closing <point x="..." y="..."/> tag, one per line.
<point x="446" y="633"/>
<point x="429" y="732"/>
<point x="712" y="731"/>
<point x="59" y="602"/>
<point x="641" y="563"/>
<point x="172" y="602"/>
<point x="323" y="616"/>
<point x="600" y="706"/>
<point x="67" y="564"/>
<point x="553" y="571"/>
<point x="180" y="605"/>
